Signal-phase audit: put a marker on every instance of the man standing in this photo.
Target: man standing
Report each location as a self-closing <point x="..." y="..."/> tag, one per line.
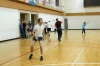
<point x="37" y="32"/>
<point x="24" y="28"/>
<point x="29" y="29"/>
<point x="59" y="29"/>
<point x="49" y="28"/>
<point x="45" y="27"/>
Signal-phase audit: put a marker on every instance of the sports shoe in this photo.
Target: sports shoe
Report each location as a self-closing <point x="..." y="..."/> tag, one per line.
<point x="30" y="57"/>
<point x="41" y="58"/>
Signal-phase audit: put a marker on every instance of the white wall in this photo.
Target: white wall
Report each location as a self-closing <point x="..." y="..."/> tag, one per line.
<point x="75" y="22"/>
<point x="9" y="23"/>
<point x="51" y="18"/>
<point x="76" y="6"/>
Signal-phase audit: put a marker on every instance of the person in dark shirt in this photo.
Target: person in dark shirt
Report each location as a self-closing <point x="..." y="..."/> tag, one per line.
<point x="29" y="29"/>
<point x="21" y="30"/>
<point x="24" y="28"/>
<point x="59" y="29"/>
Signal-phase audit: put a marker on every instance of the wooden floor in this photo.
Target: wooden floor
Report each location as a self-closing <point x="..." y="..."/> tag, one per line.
<point x="75" y="49"/>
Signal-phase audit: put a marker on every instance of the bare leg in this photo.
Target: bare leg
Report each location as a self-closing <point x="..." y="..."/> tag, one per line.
<point x="49" y="33"/>
<point x="31" y="49"/>
<point x="32" y="46"/>
<point x="41" y="50"/>
<point x="41" y="47"/>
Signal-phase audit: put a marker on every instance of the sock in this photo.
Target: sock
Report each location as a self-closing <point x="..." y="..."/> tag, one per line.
<point x="41" y="55"/>
<point x="31" y="53"/>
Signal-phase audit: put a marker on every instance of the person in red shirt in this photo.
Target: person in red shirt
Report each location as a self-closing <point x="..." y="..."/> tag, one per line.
<point x="55" y="26"/>
<point x="59" y="21"/>
<point x="59" y="29"/>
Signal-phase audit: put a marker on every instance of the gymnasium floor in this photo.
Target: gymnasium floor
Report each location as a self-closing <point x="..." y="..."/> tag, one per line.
<point x="75" y="49"/>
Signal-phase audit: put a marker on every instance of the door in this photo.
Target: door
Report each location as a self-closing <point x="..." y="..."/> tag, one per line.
<point x="65" y="23"/>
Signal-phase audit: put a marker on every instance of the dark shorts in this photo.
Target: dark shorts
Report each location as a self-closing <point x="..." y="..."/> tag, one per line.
<point x="49" y="29"/>
<point x="55" y="29"/>
<point x="28" y="30"/>
<point x="39" y="38"/>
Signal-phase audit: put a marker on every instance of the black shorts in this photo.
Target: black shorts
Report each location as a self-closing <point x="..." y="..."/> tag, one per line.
<point x="49" y="29"/>
<point x="29" y="30"/>
<point x="55" y="29"/>
<point x="39" y="38"/>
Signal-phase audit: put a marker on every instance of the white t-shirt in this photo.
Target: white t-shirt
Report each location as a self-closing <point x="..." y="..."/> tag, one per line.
<point x="48" y="25"/>
<point x="39" y="29"/>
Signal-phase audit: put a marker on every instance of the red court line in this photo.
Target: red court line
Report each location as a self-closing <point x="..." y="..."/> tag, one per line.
<point x="22" y="55"/>
<point x="44" y="46"/>
<point x="13" y="59"/>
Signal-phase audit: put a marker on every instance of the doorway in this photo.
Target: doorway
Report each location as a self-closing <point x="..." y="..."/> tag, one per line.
<point x="34" y="18"/>
<point x="65" y="23"/>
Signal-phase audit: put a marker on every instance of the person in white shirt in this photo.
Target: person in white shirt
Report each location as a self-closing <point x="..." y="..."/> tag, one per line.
<point x="49" y="25"/>
<point x="45" y="27"/>
<point x="38" y="36"/>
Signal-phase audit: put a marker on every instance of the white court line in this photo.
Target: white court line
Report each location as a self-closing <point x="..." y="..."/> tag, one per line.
<point x="91" y="40"/>
<point x="77" y="57"/>
<point x="92" y="34"/>
<point x="67" y="64"/>
<point x="94" y="42"/>
<point x="87" y="63"/>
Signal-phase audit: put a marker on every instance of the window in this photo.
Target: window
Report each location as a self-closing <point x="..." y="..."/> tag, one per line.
<point x="57" y="3"/>
<point x="88" y="3"/>
<point x="44" y="2"/>
<point x="49" y="1"/>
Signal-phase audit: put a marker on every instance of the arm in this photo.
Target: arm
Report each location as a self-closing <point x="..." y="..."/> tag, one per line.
<point x="55" y="25"/>
<point x="43" y="33"/>
<point x="34" y="33"/>
<point x="61" y="22"/>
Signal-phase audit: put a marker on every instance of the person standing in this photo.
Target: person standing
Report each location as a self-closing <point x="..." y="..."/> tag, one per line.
<point x="24" y="28"/>
<point x="45" y="27"/>
<point x="29" y="29"/>
<point x="59" y="29"/>
<point x="38" y="36"/>
<point x="49" y="25"/>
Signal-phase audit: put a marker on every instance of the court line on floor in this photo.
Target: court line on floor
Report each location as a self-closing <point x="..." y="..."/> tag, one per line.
<point x="87" y="63"/>
<point x="16" y="57"/>
<point x="27" y="53"/>
<point x="78" y="57"/>
<point x="92" y="34"/>
<point x="68" y="64"/>
<point x="77" y="46"/>
<point x="23" y="54"/>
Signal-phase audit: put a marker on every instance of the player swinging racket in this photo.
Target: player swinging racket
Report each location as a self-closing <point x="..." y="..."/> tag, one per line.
<point x="83" y="27"/>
